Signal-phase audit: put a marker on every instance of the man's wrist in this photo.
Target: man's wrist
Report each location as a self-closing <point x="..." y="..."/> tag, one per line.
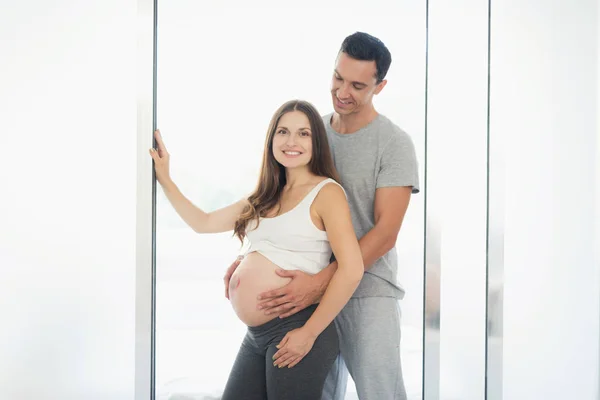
<point x="324" y="277"/>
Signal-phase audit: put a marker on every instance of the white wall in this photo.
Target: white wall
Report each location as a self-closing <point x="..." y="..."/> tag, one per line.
<point x="68" y="199"/>
<point x="544" y="105"/>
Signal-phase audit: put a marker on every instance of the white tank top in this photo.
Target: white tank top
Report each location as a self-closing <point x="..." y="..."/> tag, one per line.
<point x="291" y="240"/>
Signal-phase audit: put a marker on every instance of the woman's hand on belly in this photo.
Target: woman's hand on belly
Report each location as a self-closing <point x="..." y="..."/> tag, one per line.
<point x="234" y="283"/>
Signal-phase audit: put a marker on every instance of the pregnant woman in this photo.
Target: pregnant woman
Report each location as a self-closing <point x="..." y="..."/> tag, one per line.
<point x="294" y="219"/>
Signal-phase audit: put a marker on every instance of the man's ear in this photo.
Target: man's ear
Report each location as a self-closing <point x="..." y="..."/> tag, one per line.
<point x="380" y="86"/>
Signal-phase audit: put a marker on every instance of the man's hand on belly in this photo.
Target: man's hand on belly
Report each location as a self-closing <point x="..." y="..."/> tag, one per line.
<point x="302" y="291"/>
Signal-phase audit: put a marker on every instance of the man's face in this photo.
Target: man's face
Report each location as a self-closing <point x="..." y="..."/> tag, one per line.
<point x="354" y="84"/>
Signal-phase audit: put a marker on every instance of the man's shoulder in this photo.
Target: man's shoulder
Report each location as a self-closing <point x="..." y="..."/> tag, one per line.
<point x="327" y="118"/>
<point x="327" y="122"/>
<point x="390" y="131"/>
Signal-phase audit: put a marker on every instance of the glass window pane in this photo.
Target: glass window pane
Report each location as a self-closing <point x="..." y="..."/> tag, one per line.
<point x="68" y="200"/>
<point x="457" y="165"/>
<point x="223" y="69"/>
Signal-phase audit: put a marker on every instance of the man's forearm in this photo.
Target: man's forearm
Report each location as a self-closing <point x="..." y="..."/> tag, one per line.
<point x="373" y="246"/>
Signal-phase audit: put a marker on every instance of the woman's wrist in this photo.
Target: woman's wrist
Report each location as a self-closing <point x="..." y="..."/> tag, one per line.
<point x="168" y="184"/>
<point x="312" y="329"/>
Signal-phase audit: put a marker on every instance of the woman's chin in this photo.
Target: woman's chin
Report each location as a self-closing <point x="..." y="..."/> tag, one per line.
<point x="293" y="164"/>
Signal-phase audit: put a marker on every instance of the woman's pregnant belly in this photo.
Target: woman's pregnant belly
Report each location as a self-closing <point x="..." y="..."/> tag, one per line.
<point x="254" y="275"/>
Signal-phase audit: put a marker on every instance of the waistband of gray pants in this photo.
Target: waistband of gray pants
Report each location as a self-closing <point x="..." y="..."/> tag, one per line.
<point x="302" y="315"/>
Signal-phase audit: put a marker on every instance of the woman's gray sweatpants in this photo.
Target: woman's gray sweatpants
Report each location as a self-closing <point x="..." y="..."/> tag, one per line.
<point x="369" y="335"/>
<point x="253" y="376"/>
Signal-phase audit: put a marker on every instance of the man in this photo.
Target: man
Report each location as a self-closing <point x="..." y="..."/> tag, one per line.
<point x="377" y="164"/>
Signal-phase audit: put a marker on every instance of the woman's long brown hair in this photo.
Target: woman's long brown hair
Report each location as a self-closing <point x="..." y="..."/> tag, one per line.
<point x="272" y="178"/>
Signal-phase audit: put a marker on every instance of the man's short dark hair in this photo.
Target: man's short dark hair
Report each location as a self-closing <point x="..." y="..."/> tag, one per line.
<point x="364" y="47"/>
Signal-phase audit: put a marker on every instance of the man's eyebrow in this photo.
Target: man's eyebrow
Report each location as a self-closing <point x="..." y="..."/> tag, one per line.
<point x="355" y="82"/>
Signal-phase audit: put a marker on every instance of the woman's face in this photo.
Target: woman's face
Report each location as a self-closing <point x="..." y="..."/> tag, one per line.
<point x="292" y="140"/>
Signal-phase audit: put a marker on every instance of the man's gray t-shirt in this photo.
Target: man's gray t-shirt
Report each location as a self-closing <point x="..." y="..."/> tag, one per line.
<point x="376" y="156"/>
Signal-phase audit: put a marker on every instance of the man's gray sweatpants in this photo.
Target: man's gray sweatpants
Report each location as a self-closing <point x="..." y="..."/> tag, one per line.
<point x="369" y="336"/>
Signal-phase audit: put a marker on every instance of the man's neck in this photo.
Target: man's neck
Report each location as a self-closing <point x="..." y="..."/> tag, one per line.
<point x="353" y="122"/>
